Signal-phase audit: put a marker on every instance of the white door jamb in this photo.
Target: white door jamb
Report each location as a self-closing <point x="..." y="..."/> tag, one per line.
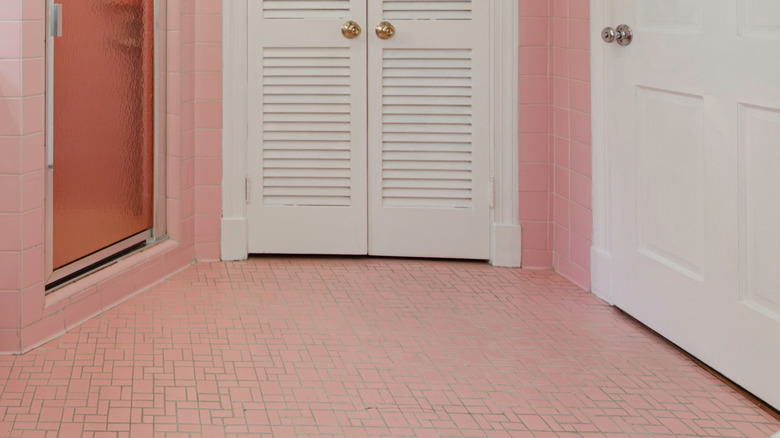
<point x="600" y="255"/>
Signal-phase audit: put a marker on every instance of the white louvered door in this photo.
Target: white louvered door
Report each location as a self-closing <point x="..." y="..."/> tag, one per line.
<point x="369" y="146"/>
<point x="428" y="130"/>
<point x="307" y="128"/>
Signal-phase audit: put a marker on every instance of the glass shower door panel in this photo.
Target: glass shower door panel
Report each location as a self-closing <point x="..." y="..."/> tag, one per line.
<point x="103" y="125"/>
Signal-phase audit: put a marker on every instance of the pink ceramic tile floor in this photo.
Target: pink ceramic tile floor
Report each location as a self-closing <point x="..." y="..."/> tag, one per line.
<point x="365" y="347"/>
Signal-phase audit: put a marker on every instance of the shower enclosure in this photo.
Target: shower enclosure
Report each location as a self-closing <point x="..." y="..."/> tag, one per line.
<point x="101" y="131"/>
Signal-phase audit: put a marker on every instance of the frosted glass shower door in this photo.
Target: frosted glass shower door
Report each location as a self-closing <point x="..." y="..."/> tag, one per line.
<point x="102" y="117"/>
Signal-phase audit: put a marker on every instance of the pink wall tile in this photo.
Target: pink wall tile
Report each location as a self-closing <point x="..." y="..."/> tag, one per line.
<point x="535" y="236"/>
<point x="32" y="228"/>
<point x="32" y="190"/>
<point x="10" y="39"/>
<point x="10" y="116"/>
<point x="10" y="232"/>
<point x="534" y="206"/>
<point x="32" y="9"/>
<point x="533" y="61"/>
<point x="9" y="310"/>
<point x="10" y="153"/>
<point x="9" y="341"/>
<point x="32" y="267"/>
<point x="32" y="39"/>
<point x="11" y="10"/>
<point x="10" y="77"/>
<point x="10" y="195"/>
<point x="33" y="151"/>
<point x="33" y="302"/>
<point x="10" y="271"/>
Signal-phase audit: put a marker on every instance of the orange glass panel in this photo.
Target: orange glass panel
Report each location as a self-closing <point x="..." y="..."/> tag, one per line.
<point x="103" y="125"/>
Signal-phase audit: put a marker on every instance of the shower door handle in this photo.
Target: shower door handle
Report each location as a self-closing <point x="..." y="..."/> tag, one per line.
<point x="55" y="19"/>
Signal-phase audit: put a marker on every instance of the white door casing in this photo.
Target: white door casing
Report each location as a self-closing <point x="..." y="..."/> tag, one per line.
<point x="686" y="121"/>
<point x="501" y="133"/>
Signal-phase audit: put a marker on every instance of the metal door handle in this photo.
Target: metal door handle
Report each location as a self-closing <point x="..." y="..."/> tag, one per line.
<point x="623" y="35"/>
<point x="350" y="30"/>
<point x="385" y="30"/>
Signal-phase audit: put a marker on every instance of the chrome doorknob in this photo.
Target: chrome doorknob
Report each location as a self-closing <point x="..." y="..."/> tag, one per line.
<point x="350" y="30"/>
<point x="385" y="30"/>
<point x="623" y="35"/>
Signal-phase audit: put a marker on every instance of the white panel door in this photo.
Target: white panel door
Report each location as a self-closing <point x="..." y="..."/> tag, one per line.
<point x="307" y="128"/>
<point x="693" y="129"/>
<point x="428" y="129"/>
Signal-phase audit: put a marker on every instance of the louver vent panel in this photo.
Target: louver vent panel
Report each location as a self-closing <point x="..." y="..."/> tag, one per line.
<point x="297" y="9"/>
<point x="306" y="127"/>
<point x="427" y="9"/>
<point x="427" y="151"/>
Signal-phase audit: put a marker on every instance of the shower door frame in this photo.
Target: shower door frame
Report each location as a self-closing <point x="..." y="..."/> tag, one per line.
<point x="158" y="231"/>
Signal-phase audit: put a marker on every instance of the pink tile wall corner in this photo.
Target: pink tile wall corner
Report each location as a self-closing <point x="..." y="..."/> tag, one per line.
<point x="10" y="343"/>
<point x="534" y="126"/>
<point x="11" y="187"/>
<point x="572" y="213"/>
<point x="42" y="330"/>
<point x="554" y="131"/>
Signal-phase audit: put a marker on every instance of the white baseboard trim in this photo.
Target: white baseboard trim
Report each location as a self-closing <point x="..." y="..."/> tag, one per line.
<point x="600" y="272"/>
<point x="234" y="239"/>
<point x="506" y="247"/>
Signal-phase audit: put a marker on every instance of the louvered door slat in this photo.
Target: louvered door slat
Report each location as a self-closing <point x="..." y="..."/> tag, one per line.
<point x="299" y="9"/>
<point x="427" y="9"/>
<point x="437" y="128"/>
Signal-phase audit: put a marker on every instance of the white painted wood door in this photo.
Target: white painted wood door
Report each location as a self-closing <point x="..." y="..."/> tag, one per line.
<point x="307" y="128"/>
<point x="428" y="105"/>
<point x="410" y="112"/>
<point x="692" y="133"/>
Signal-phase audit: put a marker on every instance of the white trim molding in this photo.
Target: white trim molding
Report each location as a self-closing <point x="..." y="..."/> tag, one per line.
<point x="600" y="256"/>
<point x="505" y="245"/>
<point x="235" y="125"/>
<point x="505" y="229"/>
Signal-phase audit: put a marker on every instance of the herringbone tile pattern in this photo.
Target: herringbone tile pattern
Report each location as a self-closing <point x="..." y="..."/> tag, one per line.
<point x="355" y="347"/>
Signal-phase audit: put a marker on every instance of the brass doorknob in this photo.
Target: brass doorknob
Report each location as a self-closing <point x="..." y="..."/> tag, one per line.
<point x="350" y="30"/>
<point x="385" y="30"/>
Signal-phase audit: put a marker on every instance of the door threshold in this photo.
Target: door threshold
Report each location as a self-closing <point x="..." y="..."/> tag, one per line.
<point x="96" y="260"/>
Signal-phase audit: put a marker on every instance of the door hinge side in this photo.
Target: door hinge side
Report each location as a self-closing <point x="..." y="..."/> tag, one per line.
<point x="248" y="190"/>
